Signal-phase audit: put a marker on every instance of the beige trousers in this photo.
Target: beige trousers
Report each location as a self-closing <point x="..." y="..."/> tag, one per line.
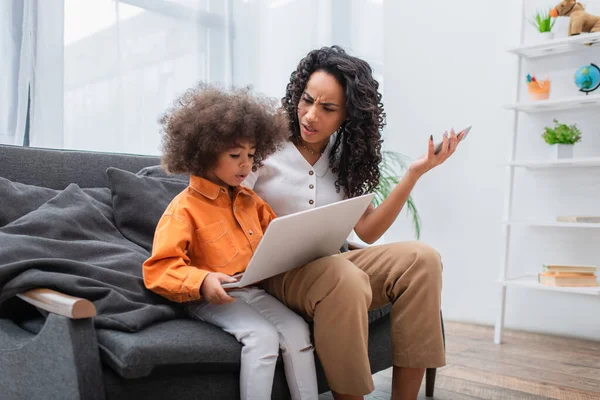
<point x="337" y="291"/>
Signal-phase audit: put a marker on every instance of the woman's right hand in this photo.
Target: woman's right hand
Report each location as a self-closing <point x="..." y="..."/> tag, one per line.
<point x="212" y="291"/>
<point x="430" y="160"/>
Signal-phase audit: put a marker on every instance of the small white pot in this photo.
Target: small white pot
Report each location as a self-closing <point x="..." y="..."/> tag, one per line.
<point x="559" y="151"/>
<point x="546" y="35"/>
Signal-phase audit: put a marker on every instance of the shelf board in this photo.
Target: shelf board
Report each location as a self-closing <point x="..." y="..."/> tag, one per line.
<point x="530" y="282"/>
<point x="567" y="103"/>
<point x="554" y="224"/>
<point x="562" y="163"/>
<point x="557" y="46"/>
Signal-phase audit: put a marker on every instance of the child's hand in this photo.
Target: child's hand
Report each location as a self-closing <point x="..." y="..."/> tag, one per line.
<point x="213" y="292"/>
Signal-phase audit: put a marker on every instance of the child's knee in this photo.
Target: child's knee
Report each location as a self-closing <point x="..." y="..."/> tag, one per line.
<point x="264" y="337"/>
<point x="296" y="337"/>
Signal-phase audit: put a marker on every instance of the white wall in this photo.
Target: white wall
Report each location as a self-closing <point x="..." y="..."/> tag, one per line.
<point x="445" y="65"/>
<point x="271" y="36"/>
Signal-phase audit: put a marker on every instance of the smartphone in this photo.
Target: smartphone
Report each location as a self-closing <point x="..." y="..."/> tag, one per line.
<point x="465" y="132"/>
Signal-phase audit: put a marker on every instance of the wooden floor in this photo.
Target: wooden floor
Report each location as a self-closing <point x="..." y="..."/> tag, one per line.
<point x="526" y="366"/>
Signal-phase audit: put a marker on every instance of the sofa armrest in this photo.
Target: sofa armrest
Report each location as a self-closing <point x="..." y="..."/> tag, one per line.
<point x="61" y="361"/>
<point x="59" y="303"/>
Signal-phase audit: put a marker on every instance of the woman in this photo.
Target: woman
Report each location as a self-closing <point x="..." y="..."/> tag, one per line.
<point x="336" y="117"/>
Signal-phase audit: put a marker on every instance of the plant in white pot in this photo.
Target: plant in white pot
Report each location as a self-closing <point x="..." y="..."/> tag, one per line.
<point x="561" y="139"/>
<point x="543" y="23"/>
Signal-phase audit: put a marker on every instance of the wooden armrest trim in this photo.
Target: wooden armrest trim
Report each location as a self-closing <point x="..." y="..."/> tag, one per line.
<point x="59" y="303"/>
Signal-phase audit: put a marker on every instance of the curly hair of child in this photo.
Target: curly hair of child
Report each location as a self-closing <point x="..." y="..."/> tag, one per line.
<point x="208" y="119"/>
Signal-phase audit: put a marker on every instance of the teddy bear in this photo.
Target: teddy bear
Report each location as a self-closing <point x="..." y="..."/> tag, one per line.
<point x="580" y="21"/>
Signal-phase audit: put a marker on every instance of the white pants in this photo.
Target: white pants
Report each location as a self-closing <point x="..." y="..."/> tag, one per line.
<point x="264" y="325"/>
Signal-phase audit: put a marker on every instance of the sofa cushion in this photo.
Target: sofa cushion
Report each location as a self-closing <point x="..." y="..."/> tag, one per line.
<point x="157" y="171"/>
<point x="58" y="168"/>
<point x="19" y="199"/>
<point x="175" y="342"/>
<point x="139" y="201"/>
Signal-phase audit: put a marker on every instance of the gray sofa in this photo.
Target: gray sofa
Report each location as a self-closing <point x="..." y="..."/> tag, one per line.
<point x="110" y="339"/>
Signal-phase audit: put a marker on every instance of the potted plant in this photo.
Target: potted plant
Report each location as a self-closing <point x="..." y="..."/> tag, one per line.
<point x="543" y="23"/>
<point x="392" y="168"/>
<point x="561" y="138"/>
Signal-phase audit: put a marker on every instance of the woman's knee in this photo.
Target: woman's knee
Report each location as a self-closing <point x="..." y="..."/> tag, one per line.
<point x="346" y="280"/>
<point x="426" y="259"/>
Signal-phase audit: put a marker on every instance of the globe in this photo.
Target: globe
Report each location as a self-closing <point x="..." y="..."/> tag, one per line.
<point x="587" y="78"/>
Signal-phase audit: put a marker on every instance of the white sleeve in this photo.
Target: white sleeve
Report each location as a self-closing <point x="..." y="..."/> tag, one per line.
<point x="251" y="179"/>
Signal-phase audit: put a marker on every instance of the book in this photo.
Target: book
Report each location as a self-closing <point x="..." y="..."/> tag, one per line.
<point x="578" y="218"/>
<point x="551" y="279"/>
<point x="569" y="268"/>
<point x="572" y="274"/>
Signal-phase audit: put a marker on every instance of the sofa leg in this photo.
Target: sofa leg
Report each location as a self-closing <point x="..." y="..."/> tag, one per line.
<point x="429" y="382"/>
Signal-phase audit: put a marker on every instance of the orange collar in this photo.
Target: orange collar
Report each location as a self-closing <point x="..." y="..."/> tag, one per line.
<point x="211" y="190"/>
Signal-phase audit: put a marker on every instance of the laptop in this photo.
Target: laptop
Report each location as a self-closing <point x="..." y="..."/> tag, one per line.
<point x="296" y="239"/>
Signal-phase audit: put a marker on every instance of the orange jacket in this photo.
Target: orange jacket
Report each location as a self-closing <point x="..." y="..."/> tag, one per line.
<point x="202" y="231"/>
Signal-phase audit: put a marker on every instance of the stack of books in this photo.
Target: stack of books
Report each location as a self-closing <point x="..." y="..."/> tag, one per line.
<point x="568" y="275"/>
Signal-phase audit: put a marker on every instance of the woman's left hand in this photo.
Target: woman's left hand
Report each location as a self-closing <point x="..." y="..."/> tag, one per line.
<point x="429" y="160"/>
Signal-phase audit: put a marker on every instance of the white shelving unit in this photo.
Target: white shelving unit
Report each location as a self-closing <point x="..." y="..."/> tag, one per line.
<point x="557" y="46"/>
<point x="530" y="282"/>
<point x="534" y="51"/>
<point x="572" y="163"/>
<point x="570" y="103"/>
<point x="553" y="224"/>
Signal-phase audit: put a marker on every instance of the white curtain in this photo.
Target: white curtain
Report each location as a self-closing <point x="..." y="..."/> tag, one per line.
<point x="121" y="63"/>
<point x="17" y="24"/>
<point x="47" y="105"/>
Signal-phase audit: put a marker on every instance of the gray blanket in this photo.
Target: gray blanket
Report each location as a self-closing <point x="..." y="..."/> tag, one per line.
<point x="69" y="243"/>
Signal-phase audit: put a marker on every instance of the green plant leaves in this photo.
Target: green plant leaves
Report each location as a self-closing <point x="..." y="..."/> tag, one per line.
<point x="392" y="168"/>
<point x="542" y="21"/>
<point x="562" y="134"/>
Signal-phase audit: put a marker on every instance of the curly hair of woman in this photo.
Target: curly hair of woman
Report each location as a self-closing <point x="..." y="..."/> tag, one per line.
<point x="356" y="153"/>
<point x="209" y="119"/>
